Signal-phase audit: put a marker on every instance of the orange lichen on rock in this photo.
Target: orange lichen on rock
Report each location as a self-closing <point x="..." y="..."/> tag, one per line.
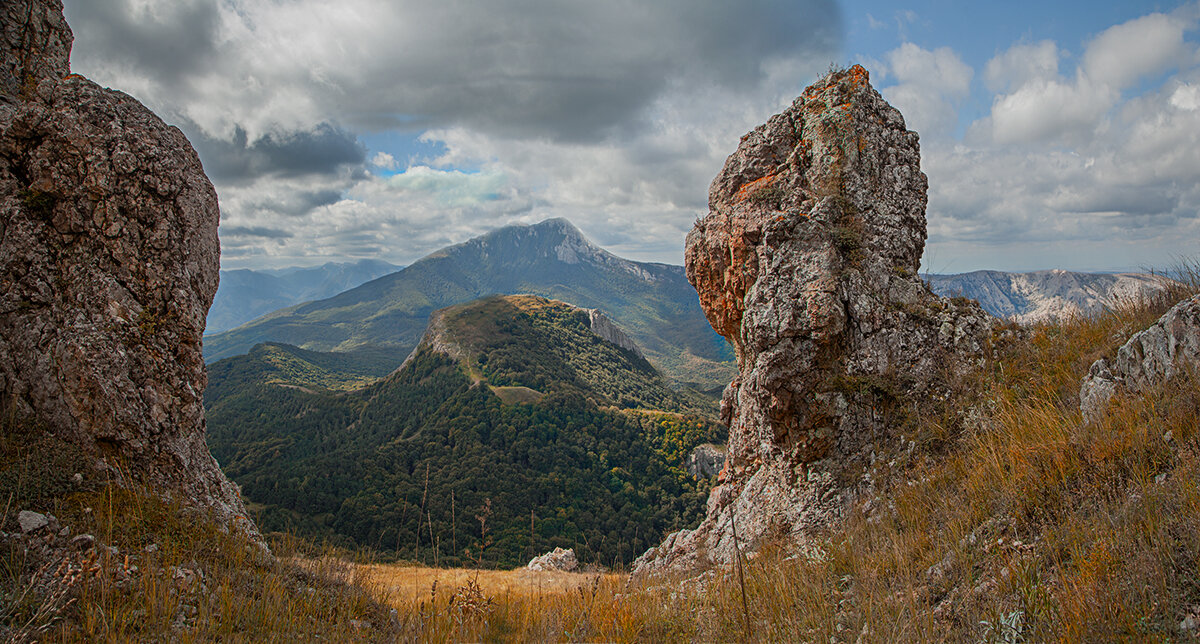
<point x="748" y="190"/>
<point x="859" y="76"/>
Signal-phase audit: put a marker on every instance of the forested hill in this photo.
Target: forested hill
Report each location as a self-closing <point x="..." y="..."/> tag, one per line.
<point x="653" y="303"/>
<point x="535" y="416"/>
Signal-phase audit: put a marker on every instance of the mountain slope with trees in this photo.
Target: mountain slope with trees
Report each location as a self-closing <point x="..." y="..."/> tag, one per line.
<point x="591" y="458"/>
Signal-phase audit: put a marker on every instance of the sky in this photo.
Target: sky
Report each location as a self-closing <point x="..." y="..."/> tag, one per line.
<point x="1054" y="134"/>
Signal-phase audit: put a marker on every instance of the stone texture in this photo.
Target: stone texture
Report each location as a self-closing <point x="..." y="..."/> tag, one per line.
<point x="30" y="521"/>
<point x="36" y="45"/>
<point x="807" y="263"/>
<point x="108" y="264"/>
<point x="1160" y="352"/>
<point x="559" y="559"/>
<point x="705" y="461"/>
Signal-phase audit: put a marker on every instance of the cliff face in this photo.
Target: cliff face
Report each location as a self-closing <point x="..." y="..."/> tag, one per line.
<point x="807" y="263"/>
<point x="108" y="264"/>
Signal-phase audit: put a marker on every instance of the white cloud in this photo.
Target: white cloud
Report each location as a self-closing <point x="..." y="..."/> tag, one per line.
<point x="1022" y="64"/>
<point x="384" y="161"/>
<point x="1123" y="54"/>
<point x="1042" y="107"/>
<point x="930" y="85"/>
<point x="1186" y="97"/>
<point x="1050" y="110"/>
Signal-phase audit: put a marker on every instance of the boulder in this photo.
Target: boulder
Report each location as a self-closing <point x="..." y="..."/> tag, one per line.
<point x="705" y="461"/>
<point x="1169" y="346"/>
<point x="559" y="559"/>
<point x="31" y="521"/>
<point x="807" y="263"/>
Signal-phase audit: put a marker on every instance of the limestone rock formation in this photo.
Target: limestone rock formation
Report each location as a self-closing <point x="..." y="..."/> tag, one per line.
<point x="559" y="559"/>
<point x="108" y="264"/>
<point x="607" y="329"/>
<point x="705" y="461"/>
<point x="1160" y="352"/>
<point x="36" y="45"/>
<point x="807" y="263"/>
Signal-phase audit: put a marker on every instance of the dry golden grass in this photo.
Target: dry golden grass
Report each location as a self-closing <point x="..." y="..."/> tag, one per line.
<point x="403" y="584"/>
<point x="1013" y="521"/>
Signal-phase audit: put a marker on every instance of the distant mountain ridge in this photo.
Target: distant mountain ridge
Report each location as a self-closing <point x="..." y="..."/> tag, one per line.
<point x="248" y="294"/>
<point x="653" y="303"/>
<point x="1045" y="296"/>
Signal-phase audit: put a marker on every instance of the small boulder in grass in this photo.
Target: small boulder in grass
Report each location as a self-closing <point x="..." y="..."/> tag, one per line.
<point x="560" y="559"/>
<point x="31" y="521"/>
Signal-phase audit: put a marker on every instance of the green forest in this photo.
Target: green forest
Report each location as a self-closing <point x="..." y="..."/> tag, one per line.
<point x="429" y="465"/>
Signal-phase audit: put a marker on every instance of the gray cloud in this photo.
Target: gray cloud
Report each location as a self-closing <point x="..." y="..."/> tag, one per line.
<point x="569" y="71"/>
<point x="167" y="42"/>
<point x="325" y="149"/>
<point x="254" y="231"/>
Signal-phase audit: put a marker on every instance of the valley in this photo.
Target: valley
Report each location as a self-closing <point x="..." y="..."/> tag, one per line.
<point x="510" y="406"/>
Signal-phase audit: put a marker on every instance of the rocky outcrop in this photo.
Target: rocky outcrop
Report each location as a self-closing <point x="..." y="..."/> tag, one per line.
<point x="1048" y="296"/>
<point x="108" y="264"/>
<point x="558" y="560"/>
<point x="607" y="329"/>
<point x="807" y="263"/>
<point x="1169" y="346"/>
<point x="705" y="461"/>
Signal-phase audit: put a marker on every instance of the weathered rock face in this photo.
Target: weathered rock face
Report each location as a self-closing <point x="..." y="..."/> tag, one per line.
<point x="108" y="264"/>
<point x="36" y="45"/>
<point x="807" y="262"/>
<point x="705" y="461"/>
<point x="1169" y="346"/>
<point x="607" y="329"/>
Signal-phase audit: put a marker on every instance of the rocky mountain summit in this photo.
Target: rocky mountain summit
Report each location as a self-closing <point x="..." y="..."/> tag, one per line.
<point x="1047" y="296"/>
<point x="807" y="263"/>
<point x="653" y="303"/>
<point x="108" y="264"/>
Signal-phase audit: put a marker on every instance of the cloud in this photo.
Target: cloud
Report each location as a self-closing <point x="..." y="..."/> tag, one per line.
<point x="929" y="86"/>
<point x="1124" y="195"/>
<point x="451" y="187"/>
<point x="1124" y="53"/>
<point x="1041" y="106"/>
<point x="1022" y="64"/>
<point x="566" y="71"/>
<point x="614" y="114"/>
<point x="165" y="42"/>
<point x="1050" y="110"/>
<point x="323" y="149"/>
<point x="384" y="161"/>
<point x="254" y="231"/>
